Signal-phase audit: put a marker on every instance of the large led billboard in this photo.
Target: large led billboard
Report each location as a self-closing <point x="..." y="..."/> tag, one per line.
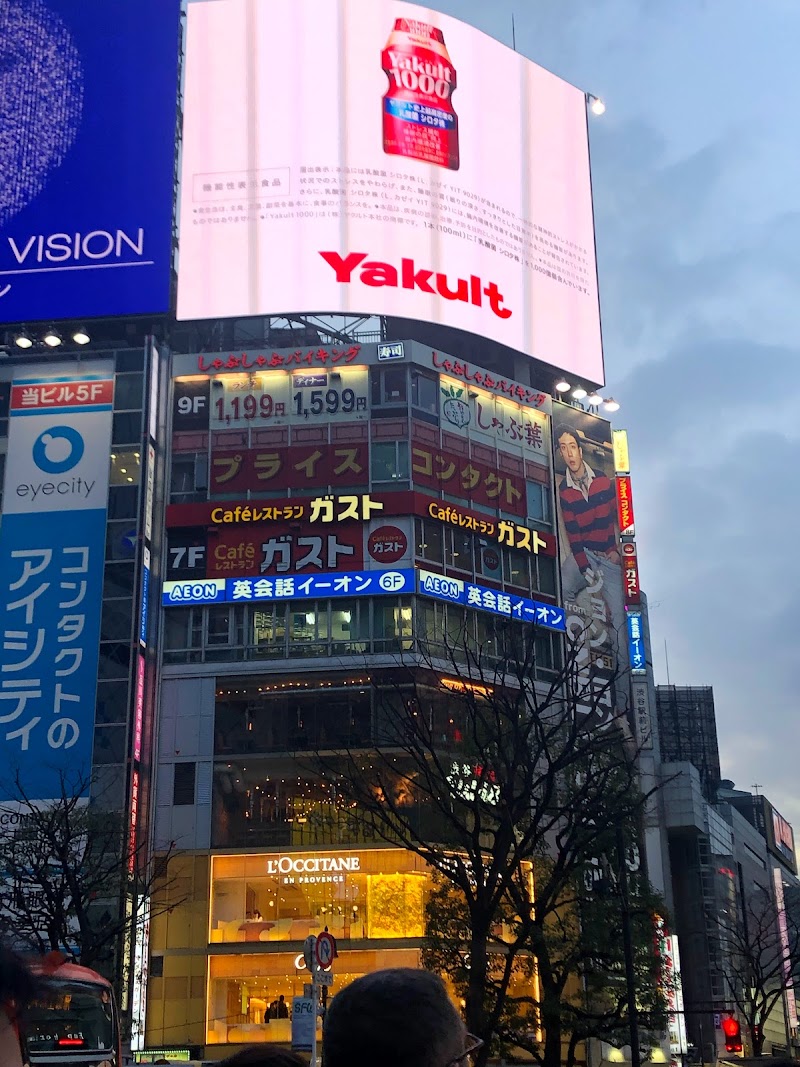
<point x="373" y="156"/>
<point x="87" y="146"/>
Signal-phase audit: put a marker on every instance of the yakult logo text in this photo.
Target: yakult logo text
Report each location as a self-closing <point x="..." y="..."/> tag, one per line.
<point x="412" y="73"/>
<point x="377" y="274"/>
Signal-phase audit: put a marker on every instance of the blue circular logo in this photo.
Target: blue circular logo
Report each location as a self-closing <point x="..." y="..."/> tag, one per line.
<point x="58" y="449"/>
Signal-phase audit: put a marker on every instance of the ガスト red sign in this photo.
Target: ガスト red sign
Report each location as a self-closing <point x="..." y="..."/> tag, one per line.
<point x="387" y="544"/>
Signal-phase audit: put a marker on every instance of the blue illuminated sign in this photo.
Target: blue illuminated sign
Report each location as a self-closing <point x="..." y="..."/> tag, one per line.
<point x="193" y="591"/>
<point x="87" y="144"/>
<point x="480" y="597"/>
<point x="291" y="587"/>
<point x="636" y="653"/>
<point x="52" y="549"/>
<point x="145" y="599"/>
<point x="362" y="583"/>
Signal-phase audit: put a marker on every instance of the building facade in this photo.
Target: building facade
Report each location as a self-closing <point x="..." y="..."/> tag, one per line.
<point x="332" y="512"/>
<point x="731" y="857"/>
<point x="687" y="726"/>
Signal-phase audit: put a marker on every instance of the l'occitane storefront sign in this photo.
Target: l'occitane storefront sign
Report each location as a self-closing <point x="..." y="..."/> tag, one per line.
<point x="312" y="870"/>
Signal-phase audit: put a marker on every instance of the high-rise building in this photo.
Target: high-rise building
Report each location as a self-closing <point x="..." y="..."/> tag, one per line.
<point x="688" y="731"/>
<point x="296" y="502"/>
<point x="375" y="504"/>
<point x="731" y="856"/>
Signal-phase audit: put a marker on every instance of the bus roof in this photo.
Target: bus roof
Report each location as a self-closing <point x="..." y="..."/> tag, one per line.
<point x="67" y="972"/>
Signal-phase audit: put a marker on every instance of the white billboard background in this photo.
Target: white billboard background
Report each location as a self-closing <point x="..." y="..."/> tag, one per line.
<point x="283" y="159"/>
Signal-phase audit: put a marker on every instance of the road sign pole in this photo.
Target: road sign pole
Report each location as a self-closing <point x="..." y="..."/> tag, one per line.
<point x="314" y="988"/>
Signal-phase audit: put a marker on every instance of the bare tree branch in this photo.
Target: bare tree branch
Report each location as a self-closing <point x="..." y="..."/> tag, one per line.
<point x="507" y="779"/>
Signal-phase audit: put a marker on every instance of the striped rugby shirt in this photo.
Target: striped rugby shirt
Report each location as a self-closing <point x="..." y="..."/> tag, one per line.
<point x="589" y="519"/>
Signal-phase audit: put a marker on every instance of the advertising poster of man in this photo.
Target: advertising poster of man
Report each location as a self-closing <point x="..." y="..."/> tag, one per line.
<point x="590" y="560"/>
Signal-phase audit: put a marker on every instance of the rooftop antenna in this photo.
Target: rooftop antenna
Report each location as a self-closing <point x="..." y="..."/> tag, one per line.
<point x="513" y="33"/>
<point x="666" y="657"/>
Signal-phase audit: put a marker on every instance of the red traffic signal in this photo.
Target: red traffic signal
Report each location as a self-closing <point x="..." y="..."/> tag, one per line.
<point x="733" y="1035"/>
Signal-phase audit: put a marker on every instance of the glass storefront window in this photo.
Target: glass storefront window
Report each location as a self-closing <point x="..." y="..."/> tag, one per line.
<point x="252" y="717"/>
<point x="244" y="991"/>
<point x="368" y="894"/>
<point x="263" y="803"/>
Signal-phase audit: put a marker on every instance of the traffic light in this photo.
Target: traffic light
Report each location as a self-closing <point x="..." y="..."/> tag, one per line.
<point x="733" y="1034"/>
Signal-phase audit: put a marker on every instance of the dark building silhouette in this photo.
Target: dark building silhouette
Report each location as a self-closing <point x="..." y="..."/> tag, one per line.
<point x="688" y="731"/>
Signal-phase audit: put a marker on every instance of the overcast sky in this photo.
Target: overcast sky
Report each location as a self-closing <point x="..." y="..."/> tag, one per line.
<point x="696" y="172"/>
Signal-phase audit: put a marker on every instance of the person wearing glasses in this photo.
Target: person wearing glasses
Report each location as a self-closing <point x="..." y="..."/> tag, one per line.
<point x="398" y="1017"/>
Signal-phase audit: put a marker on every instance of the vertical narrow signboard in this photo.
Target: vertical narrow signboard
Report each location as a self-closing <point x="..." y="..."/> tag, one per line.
<point x="52" y="548"/>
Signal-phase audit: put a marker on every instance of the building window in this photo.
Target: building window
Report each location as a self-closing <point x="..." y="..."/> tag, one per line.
<point x="121" y="540"/>
<point x="183" y="784"/>
<point x="424" y="393"/>
<point x="459" y="550"/>
<point x="123" y="501"/>
<point x="254" y="718"/>
<point x="127" y="428"/>
<point x="546" y="567"/>
<point x="392" y="625"/>
<point x="268" y="630"/>
<point x="429" y="540"/>
<point x="515" y="569"/>
<point x="538" y="500"/>
<point x="218" y="626"/>
<point x="189" y="476"/>
<point x="109" y="744"/>
<point x="244" y="991"/>
<point x="389" y="386"/>
<point x="366" y="895"/>
<point x="389" y="461"/>
<point x="126" y="467"/>
<point x="112" y="703"/>
<point x="128" y="392"/>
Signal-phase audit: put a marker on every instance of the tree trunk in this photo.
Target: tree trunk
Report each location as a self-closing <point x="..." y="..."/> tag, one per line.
<point x="474" y="1006"/>
<point x="757" y="1041"/>
<point x="551" y="1052"/>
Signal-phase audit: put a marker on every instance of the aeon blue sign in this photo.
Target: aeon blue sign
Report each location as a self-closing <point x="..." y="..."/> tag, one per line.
<point x="87" y="144"/>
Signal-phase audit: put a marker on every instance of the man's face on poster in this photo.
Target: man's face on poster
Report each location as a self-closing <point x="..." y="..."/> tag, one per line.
<point x="571" y="452"/>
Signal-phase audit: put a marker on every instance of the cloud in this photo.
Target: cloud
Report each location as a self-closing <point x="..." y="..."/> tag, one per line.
<point x="695" y="169"/>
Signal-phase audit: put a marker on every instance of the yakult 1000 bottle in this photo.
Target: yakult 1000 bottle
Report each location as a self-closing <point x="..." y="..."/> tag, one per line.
<point x="418" y="116"/>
